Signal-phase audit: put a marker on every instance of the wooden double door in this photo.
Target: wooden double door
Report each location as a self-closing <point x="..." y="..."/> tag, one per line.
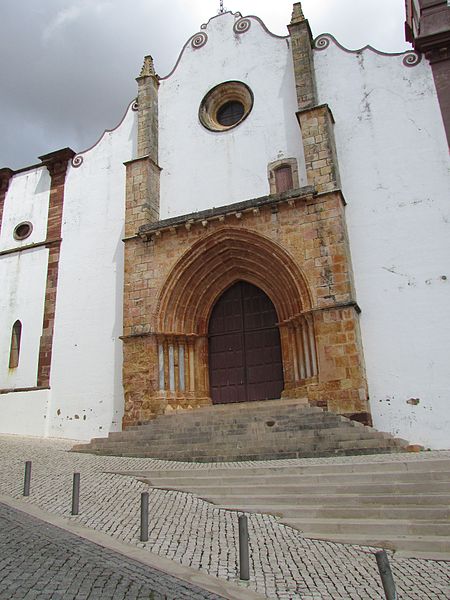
<point x="244" y="347"/>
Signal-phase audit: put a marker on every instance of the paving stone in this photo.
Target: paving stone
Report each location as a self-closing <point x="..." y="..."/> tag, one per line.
<point x="194" y="533"/>
<point x="69" y="567"/>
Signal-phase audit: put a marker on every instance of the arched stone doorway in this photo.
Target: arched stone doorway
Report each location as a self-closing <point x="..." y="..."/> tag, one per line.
<point x="189" y="294"/>
<point x="245" y="362"/>
<point x="166" y="358"/>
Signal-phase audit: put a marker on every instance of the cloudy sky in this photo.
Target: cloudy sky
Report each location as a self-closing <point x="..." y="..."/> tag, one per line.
<point x="67" y="67"/>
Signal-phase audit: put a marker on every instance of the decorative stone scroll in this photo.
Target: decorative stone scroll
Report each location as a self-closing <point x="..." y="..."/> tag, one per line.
<point x="77" y="161"/>
<point x="242" y="25"/>
<point x="322" y="42"/>
<point x="411" y="59"/>
<point x="199" y="40"/>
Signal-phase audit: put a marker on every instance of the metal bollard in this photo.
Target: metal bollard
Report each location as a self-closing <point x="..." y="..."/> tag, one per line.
<point x="244" y="569"/>
<point x="76" y="493"/>
<point x="27" y="478"/>
<point x="386" y="575"/>
<point x="144" y="517"/>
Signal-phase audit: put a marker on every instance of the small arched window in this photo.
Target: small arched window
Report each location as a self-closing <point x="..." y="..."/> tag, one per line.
<point x="283" y="179"/>
<point x="15" y="345"/>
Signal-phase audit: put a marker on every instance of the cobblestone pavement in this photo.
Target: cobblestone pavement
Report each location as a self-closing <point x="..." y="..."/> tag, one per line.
<point x="39" y="562"/>
<point x="186" y="529"/>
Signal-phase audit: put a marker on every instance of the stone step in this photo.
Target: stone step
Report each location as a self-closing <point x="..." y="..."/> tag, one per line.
<point x="270" y="454"/>
<point x="249" y="489"/>
<point x="289" y="425"/>
<point x="236" y="409"/>
<point x="259" y="405"/>
<point x="230" y="437"/>
<point x="374" y="512"/>
<point x="379" y="527"/>
<point x="210" y="454"/>
<point x="352" y="501"/>
<point x="403" y="504"/>
<point x="240" y="429"/>
<point x="346" y="479"/>
<point x="417" y="546"/>
<point x="274" y="429"/>
<point x="389" y="465"/>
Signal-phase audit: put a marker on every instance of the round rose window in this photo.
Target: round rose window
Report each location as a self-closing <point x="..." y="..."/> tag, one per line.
<point x="23" y="230"/>
<point x="225" y="106"/>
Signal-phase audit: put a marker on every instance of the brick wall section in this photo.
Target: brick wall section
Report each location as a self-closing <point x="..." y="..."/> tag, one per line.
<point x="316" y="121"/>
<point x="141" y="208"/>
<point x="142" y="176"/>
<point x="142" y="194"/>
<point x="311" y="232"/>
<point x="431" y="21"/>
<point x="148" y="111"/>
<point x="440" y="65"/>
<point x="56" y="163"/>
<point x="316" y="125"/>
<point x="302" y="54"/>
<point x="5" y="178"/>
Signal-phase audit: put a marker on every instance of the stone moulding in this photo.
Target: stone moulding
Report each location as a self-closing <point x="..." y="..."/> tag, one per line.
<point x="24" y="389"/>
<point x="187" y="220"/>
<point x="196" y="41"/>
<point x="78" y="159"/>
<point x="410" y="57"/>
<point x="216" y="261"/>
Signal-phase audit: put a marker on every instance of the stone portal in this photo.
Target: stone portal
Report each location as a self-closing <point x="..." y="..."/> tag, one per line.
<point x="245" y="361"/>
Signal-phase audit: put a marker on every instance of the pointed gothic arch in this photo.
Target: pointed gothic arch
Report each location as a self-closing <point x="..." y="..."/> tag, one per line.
<point x="192" y="288"/>
<point x="217" y="261"/>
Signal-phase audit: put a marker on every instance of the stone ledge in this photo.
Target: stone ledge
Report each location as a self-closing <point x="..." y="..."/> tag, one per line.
<point x="297" y="194"/>
<point x="45" y="243"/>
<point x="24" y="389"/>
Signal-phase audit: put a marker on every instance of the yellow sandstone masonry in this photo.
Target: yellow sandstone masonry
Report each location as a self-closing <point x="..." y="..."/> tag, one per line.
<point x="309" y="232"/>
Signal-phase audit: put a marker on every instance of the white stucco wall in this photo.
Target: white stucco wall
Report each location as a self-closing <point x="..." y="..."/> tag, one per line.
<point x="201" y="168"/>
<point x="24" y="413"/>
<point x="86" y="375"/>
<point x="27" y="200"/>
<point x="23" y="275"/>
<point x="394" y="165"/>
<point x="23" y="278"/>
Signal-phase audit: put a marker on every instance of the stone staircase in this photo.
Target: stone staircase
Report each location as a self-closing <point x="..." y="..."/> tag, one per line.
<point x="403" y="505"/>
<point x="271" y="429"/>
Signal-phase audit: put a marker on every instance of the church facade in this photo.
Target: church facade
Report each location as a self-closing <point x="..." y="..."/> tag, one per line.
<point x="269" y="220"/>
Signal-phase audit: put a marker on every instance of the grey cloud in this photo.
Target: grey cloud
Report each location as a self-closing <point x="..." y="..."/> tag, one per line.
<point x="67" y="67"/>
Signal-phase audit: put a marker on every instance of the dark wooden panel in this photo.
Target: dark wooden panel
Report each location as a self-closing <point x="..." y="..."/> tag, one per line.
<point x="283" y="179"/>
<point x="244" y="347"/>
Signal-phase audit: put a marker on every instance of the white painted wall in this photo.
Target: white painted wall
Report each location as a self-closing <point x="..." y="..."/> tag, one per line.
<point x="201" y="168"/>
<point x="23" y="278"/>
<point x="86" y="374"/>
<point x="24" y="413"/>
<point x="394" y="166"/>
<point x="27" y="200"/>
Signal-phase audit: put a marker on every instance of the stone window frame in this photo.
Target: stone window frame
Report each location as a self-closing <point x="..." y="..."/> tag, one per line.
<point x="220" y="95"/>
<point x="277" y="164"/>
<point x="29" y="230"/>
